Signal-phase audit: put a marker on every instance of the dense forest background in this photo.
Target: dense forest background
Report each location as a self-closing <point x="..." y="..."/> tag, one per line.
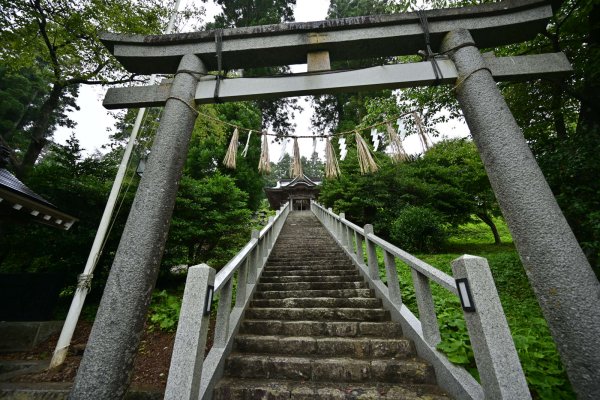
<point x="51" y="48"/>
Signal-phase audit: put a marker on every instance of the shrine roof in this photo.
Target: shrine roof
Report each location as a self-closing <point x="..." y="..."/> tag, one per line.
<point x="19" y="203"/>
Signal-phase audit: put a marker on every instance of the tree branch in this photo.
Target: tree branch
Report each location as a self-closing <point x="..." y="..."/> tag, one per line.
<point x="41" y="21"/>
<point x="84" y="81"/>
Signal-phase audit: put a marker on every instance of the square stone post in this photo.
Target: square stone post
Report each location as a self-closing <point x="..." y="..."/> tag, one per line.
<point x="107" y="364"/>
<point x="183" y="382"/>
<point x="563" y="281"/>
<point x="495" y="354"/>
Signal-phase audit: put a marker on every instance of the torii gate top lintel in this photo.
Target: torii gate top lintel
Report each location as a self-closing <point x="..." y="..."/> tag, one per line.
<point x="490" y="24"/>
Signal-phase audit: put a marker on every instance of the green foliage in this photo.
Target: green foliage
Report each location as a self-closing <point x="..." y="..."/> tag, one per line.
<point x="448" y="179"/>
<point x="418" y="229"/>
<point x="164" y="311"/>
<point x="210" y="222"/>
<point x="537" y="352"/>
<point x="277" y="113"/>
<point x="57" y="42"/>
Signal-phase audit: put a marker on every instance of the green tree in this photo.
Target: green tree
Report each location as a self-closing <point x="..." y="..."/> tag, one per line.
<point x="448" y="179"/>
<point x="58" y="41"/>
<point x="313" y="166"/>
<point x="457" y="163"/>
<point x="77" y="185"/>
<point x="277" y="114"/>
<point x="342" y="112"/>
<point x="210" y="222"/>
<point x="560" y="118"/>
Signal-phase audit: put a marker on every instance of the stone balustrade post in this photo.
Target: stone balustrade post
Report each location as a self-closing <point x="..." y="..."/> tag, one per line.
<point x="495" y="354"/>
<point x="183" y="382"/>
<point x="372" y="262"/>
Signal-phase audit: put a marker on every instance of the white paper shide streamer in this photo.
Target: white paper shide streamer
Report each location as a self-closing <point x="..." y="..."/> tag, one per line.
<point x="343" y="149"/>
<point x="375" y="138"/>
<point x="245" y="151"/>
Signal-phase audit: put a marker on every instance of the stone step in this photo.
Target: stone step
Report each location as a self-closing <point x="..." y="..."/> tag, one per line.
<point x="267" y="273"/>
<point x="246" y="389"/>
<point x="323" y="369"/>
<point x="308" y="261"/>
<point x="319" y="314"/>
<point x="307" y="278"/>
<point x="288" y="294"/>
<point x="319" y="302"/>
<point x="311" y="286"/>
<point x="385" y="329"/>
<point x="325" y="346"/>
<point x="312" y="268"/>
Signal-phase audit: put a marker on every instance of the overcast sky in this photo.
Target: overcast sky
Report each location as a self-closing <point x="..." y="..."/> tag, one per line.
<point x="94" y="122"/>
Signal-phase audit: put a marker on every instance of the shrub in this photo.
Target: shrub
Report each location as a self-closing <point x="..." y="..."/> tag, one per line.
<point x="164" y="311"/>
<point x="418" y="229"/>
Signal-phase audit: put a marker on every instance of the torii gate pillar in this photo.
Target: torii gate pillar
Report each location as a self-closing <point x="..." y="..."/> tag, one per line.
<point x="107" y="365"/>
<point x="557" y="268"/>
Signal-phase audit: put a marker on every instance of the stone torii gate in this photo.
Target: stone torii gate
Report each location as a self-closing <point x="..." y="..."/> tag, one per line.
<point x="559" y="273"/>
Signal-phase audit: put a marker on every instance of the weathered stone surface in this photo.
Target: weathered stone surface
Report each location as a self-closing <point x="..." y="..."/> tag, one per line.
<point x="344" y="293"/>
<point x="324" y="278"/>
<point x="389" y="329"/>
<point x="402" y="371"/>
<point x="321" y="302"/>
<point x="348" y="38"/>
<point x="341" y="370"/>
<point x="359" y="348"/>
<point x="320" y="343"/>
<point x="231" y="388"/>
<point x="395" y="348"/>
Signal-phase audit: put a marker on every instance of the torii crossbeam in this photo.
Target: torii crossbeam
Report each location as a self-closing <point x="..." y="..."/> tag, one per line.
<point x="559" y="273"/>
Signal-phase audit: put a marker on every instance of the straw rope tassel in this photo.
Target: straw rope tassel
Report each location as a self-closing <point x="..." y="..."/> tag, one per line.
<point x="297" y="163"/>
<point x="365" y="159"/>
<point x="398" y="154"/>
<point x="264" y="165"/>
<point x="332" y="168"/>
<point x="425" y="141"/>
<point x="229" y="160"/>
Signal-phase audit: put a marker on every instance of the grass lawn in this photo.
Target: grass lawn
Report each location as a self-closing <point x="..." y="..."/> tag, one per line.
<point x="537" y="352"/>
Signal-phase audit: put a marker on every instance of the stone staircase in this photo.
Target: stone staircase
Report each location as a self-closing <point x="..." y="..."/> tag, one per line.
<point x="314" y="330"/>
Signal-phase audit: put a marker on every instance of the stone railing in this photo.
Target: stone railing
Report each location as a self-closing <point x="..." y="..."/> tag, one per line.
<point x="191" y="374"/>
<point x="495" y="354"/>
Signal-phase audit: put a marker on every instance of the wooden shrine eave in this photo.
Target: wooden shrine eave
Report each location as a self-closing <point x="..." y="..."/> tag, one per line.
<point x="18" y="203"/>
<point x="490" y="24"/>
<point x="384" y="77"/>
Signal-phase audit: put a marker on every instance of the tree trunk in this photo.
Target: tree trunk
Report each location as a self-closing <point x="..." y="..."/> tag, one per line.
<point x="39" y="133"/>
<point x="489" y="222"/>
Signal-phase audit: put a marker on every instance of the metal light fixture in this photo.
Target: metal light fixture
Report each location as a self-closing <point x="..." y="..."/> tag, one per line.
<point x="464" y="293"/>
<point x="142" y="163"/>
<point x="208" y="301"/>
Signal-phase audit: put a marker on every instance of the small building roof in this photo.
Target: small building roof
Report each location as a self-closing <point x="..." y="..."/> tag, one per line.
<point x="18" y="203"/>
